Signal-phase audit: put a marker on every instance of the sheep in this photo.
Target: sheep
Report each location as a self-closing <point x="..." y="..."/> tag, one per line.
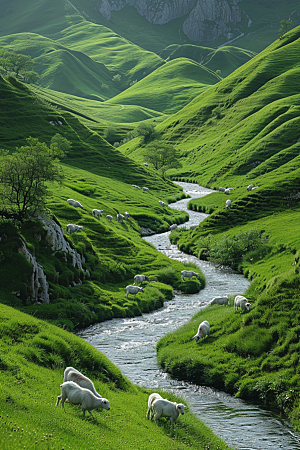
<point x="71" y="374"/>
<point x="138" y="279"/>
<point x="126" y="215"/>
<point x="75" y="203"/>
<point x="221" y="189"/>
<point x="173" y="227"/>
<point x="164" y="408"/>
<point x="161" y="203"/>
<point x="130" y="289"/>
<point x="228" y="204"/>
<point x="203" y="330"/>
<point x="189" y="274"/>
<point x="80" y="396"/>
<point x="134" y="185"/>
<point x="120" y="218"/>
<point x="227" y="191"/>
<point x="241" y="302"/>
<point x="72" y="227"/>
<point x="219" y="301"/>
<point x="151" y="399"/>
<point x="146" y="164"/>
<point x="109" y="217"/>
<point x="97" y="212"/>
<point x="145" y="189"/>
<point x="249" y="188"/>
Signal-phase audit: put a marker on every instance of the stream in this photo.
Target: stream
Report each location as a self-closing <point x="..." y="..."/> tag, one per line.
<point x="130" y="344"/>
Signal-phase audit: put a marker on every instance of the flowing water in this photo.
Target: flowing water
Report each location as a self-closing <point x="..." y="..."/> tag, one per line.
<point x="130" y="344"/>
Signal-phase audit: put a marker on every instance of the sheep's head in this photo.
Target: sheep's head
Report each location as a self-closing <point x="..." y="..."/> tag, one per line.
<point x="142" y="290"/>
<point x="105" y="404"/>
<point x="248" y="306"/>
<point x="180" y="408"/>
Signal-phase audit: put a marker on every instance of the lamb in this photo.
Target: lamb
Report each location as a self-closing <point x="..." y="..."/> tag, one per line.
<point x="203" y="330"/>
<point x="72" y="227"/>
<point x="75" y="203"/>
<point x="126" y="215"/>
<point x="189" y="274"/>
<point x="151" y="399"/>
<point x="71" y="374"/>
<point x="130" y="289"/>
<point x="80" y="396"/>
<point x="109" y="217"/>
<point x="219" y="301"/>
<point x="97" y="212"/>
<point x="173" y="227"/>
<point x="138" y="279"/>
<point x="241" y="302"/>
<point x="161" y="203"/>
<point x="227" y="191"/>
<point x="120" y="218"/>
<point x="145" y="189"/>
<point x="164" y="408"/>
<point x="228" y="204"/>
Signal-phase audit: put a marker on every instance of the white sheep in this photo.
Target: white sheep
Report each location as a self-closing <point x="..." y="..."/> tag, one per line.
<point x="146" y="164"/>
<point x="221" y="189"/>
<point x="80" y="396"/>
<point x="203" y="330"/>
<point x="75" y="203"/>
<point x="130" y="289"/>
<point x="97" y="212"/>
<point x="71" y="227"/>
<point x="71" y="374"/>
<point x="250" y="187"/>
<point x="219" y="301"/>
<point x="134" y="185"/>
<point x="173" y="227"/>
<point x="126" y="215"/>
<point x="189" y="274"/>
<point x="227" y="191"/>
<point x="161" y="203"/>
<point x="164" y="408"/>
<point x="228" y="204"/>
<point x="109" y="217"/>
<point x="241" y="302"/>
<point x="138" y="279"/>
<point x="151" y="399"/>
<point x="145" y="189"/>
<point x="120" y="218"/>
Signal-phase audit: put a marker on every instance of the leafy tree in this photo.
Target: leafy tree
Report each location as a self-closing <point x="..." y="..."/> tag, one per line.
<point x="24" y="174"/>
<point x="285" y="25"/>
<point x="17" y="64"/>
<point x="62" y="143"/>
<point x="162" y="156"/>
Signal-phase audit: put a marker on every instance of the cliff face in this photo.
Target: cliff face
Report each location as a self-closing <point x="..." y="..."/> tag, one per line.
<point x="206" y="20"/>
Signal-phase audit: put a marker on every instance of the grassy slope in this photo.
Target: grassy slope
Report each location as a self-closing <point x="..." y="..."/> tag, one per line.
<point x="170" y="87"/>
<point x="33" y="356"/>
<point x="254" y="355"/>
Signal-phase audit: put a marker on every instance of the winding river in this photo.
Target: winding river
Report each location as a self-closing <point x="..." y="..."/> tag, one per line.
<point x="130" y="344"/>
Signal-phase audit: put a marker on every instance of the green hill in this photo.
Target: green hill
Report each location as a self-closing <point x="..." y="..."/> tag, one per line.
<point x="170" y="87"/>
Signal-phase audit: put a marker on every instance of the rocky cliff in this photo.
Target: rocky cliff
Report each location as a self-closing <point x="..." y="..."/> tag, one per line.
<point x="206" y="19"/>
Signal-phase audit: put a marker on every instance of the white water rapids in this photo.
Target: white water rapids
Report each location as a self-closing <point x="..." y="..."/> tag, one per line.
<point x="130" y="344"/>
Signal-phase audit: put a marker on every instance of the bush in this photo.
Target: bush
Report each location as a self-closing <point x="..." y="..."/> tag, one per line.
<point x="167" y="275"/>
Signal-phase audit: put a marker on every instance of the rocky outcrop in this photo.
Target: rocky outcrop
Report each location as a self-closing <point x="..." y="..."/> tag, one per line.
<point x="207" y="19"/>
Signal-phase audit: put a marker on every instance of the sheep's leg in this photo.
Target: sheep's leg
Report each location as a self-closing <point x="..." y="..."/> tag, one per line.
<point x="63" y="399"/>
<point x="58" y="400"/>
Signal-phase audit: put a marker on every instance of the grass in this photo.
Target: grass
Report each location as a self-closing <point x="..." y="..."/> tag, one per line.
<point x="33" y="356"/>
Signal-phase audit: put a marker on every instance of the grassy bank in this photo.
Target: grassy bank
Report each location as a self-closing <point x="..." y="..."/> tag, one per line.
<point x="33" y="355"/>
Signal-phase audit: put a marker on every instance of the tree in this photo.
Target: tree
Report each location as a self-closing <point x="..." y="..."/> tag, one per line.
<point x="24" y="174"/>
<point x="62" y="143"/>
<point x="17" y="64"/>
<point x="285" y="25"/>
<point x="162" y="156"/>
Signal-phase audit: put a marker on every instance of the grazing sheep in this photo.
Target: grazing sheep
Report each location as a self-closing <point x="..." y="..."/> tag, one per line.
<point x="151" y="399"/>
<point x="75" y="203"/>
<point x="228" y="204"/>
<point x="189" y="274"/>
<point x="97" y="212"/>
<point x="126" y="215"/>
<point x="250" y="187"/>
<point x="161" y="203"/>
<point x="221" y="189"/>
<point x="134" y="185"/>
<point x="138" y="279"/>
<point x="203" y="330"/>
<point x="80" y="396"/>
<point x="219" y="301"/>
<point x="164" y="408"/>
<point x="173" y="227"/>
<point x="145" y="189"/>
<point x="241" y="302"/>
<point x="72" y="227"/>
<point x="130" y="289"/>
<point x="71" y="374"/>
<point x="109" y="217"/>
<point x="146" y="164"/>
<point x="120" y="218"/>
<point x="227" y="191"/>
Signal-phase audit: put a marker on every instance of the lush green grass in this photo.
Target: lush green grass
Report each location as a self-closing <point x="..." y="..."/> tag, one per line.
<point x="33" y="356"/>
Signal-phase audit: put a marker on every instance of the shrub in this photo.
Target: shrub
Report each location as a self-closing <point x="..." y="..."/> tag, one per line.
<point x="167" y="275"/>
